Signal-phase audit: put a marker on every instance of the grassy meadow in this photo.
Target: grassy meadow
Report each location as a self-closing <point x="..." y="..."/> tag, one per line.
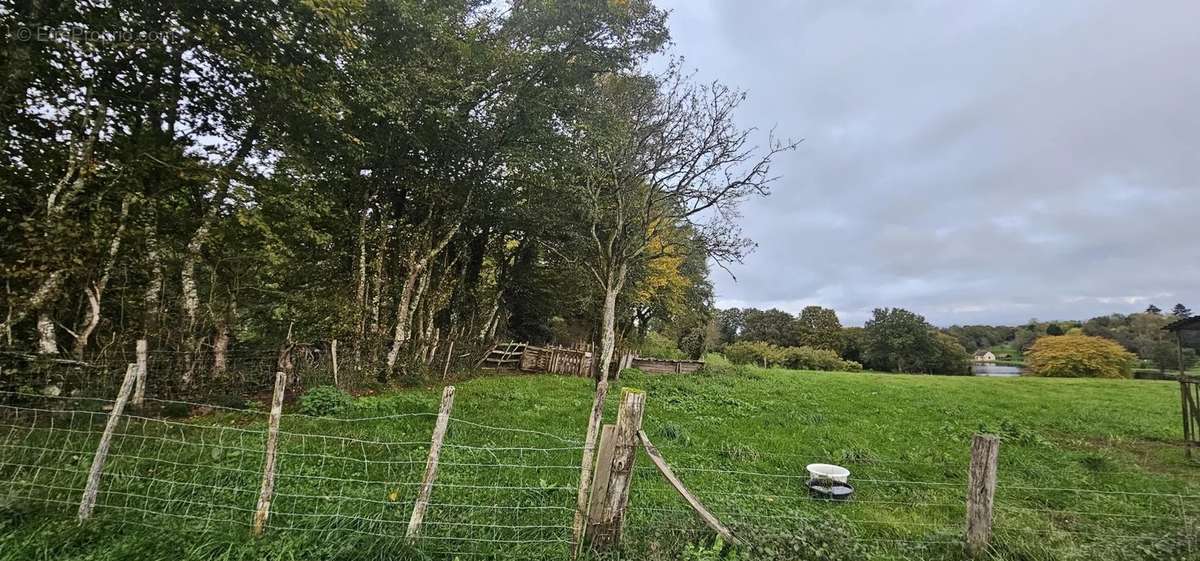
<point x="1089" y="469"/>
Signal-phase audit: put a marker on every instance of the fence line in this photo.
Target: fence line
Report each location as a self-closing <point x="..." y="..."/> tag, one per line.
<point x="506" y="486"/>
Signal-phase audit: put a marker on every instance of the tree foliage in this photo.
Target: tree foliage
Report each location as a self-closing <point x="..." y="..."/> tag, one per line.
<point x="897" y="340"/>
<point x="1079" y="356"/>
<point x="394" y="174"/>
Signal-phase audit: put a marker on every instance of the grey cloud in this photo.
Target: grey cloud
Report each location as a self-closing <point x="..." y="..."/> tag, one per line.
<point x="971" y="161"/>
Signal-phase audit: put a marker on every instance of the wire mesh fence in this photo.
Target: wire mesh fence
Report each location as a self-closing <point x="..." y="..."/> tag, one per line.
<point x="512" y="489"/>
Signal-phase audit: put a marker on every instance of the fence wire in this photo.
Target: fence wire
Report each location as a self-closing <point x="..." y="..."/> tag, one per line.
<point x="513" y="489"/>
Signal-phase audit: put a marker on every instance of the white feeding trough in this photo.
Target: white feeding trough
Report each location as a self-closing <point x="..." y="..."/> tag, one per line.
<point x="827" y="481"/>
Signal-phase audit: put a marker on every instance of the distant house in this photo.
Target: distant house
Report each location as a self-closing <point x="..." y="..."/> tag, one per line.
<point x="984" y="356"/>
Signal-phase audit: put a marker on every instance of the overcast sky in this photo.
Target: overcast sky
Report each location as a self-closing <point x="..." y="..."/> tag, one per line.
<point x="973" y="162"/>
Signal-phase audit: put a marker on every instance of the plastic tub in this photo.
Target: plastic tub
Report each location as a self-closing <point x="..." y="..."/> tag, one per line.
<point x="828" y="472"/>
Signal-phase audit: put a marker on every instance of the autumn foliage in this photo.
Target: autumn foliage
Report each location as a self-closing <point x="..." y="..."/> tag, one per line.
<point x="1079" y="356"/>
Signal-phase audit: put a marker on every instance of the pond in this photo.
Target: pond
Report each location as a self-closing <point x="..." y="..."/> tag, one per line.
<point x="990" y="369"/>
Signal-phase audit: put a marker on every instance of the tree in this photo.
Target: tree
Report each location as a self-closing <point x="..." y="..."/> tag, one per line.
<point x="948" y="356"/>
<point x="1079" y="356"/>
<point x="1153" y="310"/>
<point x="731" y="323"/>
<point x="773" y="326"/>
<point x="1180" y="311"/>
<point x="658" y="153"/>
<point x="853" y="344"/>
<point x="820" y="328"/>
<point x="1165" y="355"/>
<point x="1054" y="329"/>
<point x="372" y="172"/>
<point x="896" y="340"/>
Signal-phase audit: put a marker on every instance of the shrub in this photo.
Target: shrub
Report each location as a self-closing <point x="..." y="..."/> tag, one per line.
<point x="716" y="360"/>
<point x="808" y="358"/>
<point x="1079" y="356"/>
<point x="795" y="358"/>
<point x="657" y="345"/>
<point x="176" y="410"/>
<point x="324" y="401"/>
<point x="757" y="353"/>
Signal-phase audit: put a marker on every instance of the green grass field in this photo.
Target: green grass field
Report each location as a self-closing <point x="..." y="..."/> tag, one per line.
<point x="1089" y="469"/>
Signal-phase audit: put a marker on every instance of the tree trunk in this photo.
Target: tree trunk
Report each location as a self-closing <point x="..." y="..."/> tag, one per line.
<point x="608" y="333"/>
<point x="187" y="276"/>
<point x="360" y="291"/>
<point x="47" y="341"/>
<point x="152" y="298"/>
<point x="402" y="317"/>
<point x="220" y="348"/>
<point x="96" y="292"/>
<point x="191" y="302"/>
<point x="377" y="292"/>
<point x="73" y="180"/>
<point x="416" y="268"/>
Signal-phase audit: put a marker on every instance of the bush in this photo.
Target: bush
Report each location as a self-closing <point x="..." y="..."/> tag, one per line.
<point x="1079" y="356"/>
<point x="657" y="345"/>
<point x="796" y="358"/>
<point x="757" y="353"/>
<point x="324" y="401"/>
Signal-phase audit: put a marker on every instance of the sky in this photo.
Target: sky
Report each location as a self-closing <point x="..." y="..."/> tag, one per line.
<point x="974" y="162"/>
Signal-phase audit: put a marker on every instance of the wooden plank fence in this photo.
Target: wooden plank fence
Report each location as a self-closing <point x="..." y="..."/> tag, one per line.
<point x="576" y="362"/>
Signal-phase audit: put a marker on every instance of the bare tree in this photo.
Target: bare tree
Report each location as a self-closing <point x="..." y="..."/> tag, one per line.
<point x="662" y="152"/>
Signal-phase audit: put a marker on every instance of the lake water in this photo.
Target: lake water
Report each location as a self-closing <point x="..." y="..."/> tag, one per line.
<point x="988" y="369"/>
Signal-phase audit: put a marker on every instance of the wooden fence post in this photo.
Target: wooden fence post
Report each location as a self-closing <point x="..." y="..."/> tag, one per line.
<point x="88" y="502"/>
<point x="333" y="356"/>
<point x="263" y="511"/>
<point x="606" y="517"/>
<point x="585" y="470"/>
<point x="431" y="464"/>
<point x="143" y="362"/>
<point x="981" y="489"/>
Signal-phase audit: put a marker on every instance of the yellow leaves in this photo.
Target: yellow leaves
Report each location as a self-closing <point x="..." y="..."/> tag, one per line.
<point x="664" y="281"/>
<point x="393" y="496"/>
<point x="1080" y="356"/>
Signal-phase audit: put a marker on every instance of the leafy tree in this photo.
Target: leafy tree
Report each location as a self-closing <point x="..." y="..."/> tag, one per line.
<point x="973" y="337"/>
<point x="773" y="326"/>
<point x="1153" y="310"/>
<point x="731" y="323"/>
<point x="1054" y="330"/>
<point x="1180" y="311"/>
<point x="820" y="329"/>
<point x="948" y="356"/>
<point x="1165" y="355"/>
<point x="1079" y="356"/>
<point x="853" y="341"/>
<point x="896" y="340"/>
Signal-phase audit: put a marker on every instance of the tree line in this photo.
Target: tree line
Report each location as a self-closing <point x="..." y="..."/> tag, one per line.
<point x="893" y="340"/>
<point x="224" y="178"/>
<point x="897" y="340"/>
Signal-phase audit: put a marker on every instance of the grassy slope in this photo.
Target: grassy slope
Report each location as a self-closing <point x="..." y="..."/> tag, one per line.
<point x="905" y="438"/>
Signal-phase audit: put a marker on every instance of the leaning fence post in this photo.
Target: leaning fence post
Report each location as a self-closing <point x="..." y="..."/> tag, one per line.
<point x="143" y="359"/>
<point x="268" y="482"/>
<point x="88" y="502"/>
<point x="981" y="488"/>
<point x="585" y="470"/>
<point x="606" y="517"/>
<point x="431" y="464"/>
